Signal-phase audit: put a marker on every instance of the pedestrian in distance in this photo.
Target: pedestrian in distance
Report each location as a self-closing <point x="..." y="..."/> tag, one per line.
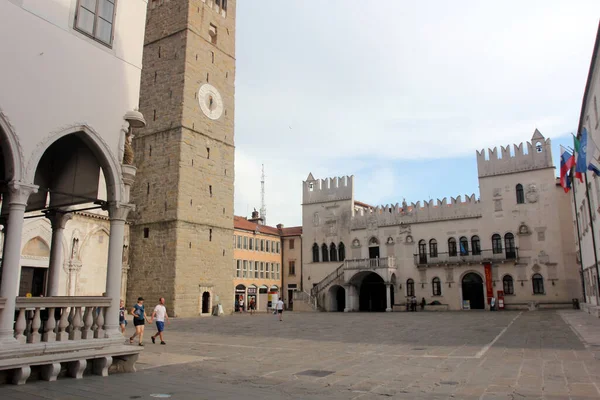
<point x="241" y="304"/>
<point x="139" y="320"/>
<point x="159" y="314"/>
<point x="252" y="306"/>
<point x="122" y="320"/>
<point x="279" y="307"/>
<point x="423" y="304"/>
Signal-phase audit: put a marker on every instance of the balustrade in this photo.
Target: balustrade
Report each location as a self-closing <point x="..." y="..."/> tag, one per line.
<point x="370" y="263"/>
<point x="50" y="319"/>
<point x="467" y="257"/>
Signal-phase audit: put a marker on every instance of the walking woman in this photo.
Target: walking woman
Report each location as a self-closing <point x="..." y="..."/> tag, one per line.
<point x="139" y="319"/>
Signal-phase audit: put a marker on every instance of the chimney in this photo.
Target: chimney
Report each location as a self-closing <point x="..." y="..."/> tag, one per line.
<point x="256" y="218"/>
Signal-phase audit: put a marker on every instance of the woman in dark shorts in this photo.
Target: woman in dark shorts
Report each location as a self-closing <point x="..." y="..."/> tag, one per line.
<point x="139" y="319"/>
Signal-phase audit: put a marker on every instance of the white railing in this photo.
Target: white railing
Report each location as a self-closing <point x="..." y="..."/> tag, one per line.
<point x="370" y="263"/>
<point x="60" y="319"/>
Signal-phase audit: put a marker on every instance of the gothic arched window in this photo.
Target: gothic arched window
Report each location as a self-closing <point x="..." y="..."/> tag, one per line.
<point x="463" y="246"/>
<point x="410" y="287"/>
<point x="433" y="250"/>
<point x="436" y="286"/>
<point x="520" y="194"/>
<point x="538" y="284"/>
<point x="509" y="245"/>
<point x="422" y="252"/>
<point x="496" y="243"/>
<point x="315" y="250"/>
<point x="341" y="251"/>
<point x="452" y="247"/>
<point x="508" y="284"/>
<point x="475" y="245"/>
<point x="325" y="253"/>
<point x="333" y="254"/>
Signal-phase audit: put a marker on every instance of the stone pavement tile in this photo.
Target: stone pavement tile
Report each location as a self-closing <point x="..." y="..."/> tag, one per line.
<point x="583" y="389"/>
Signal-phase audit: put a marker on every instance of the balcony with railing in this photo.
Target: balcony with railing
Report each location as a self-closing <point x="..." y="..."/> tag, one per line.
<point x="370" y="263"/>
<point x="467" y="257"/>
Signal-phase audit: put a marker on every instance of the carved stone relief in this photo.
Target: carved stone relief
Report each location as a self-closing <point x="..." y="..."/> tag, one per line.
<point x="532" y="193"/>
<point x="497" y="205"/>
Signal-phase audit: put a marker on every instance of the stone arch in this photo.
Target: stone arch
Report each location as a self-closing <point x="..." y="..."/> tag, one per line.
<point x="104" y="156"/>
<point x="12" y="152"/>
<point x="39" y="227"/>
<point x="36" y="247"/>
<point x="337" y="298"/>
<point x="474" y="290"/>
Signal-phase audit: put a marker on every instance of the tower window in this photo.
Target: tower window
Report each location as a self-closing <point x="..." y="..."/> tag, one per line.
<point x="95" y="18"/>
<point x="520" y="194"/>
<point x="210" y="235"/>
<point x="538" y="147"/>
<point x="212" y="32"/>
<point x="212" y="56"/>
<point x="210" y="190"/>
<point x="208" y="153"/>
<point x="146" y="233"/>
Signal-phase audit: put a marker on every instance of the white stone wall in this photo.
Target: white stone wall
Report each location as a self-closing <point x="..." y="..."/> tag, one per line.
<point x="58" y="77"/>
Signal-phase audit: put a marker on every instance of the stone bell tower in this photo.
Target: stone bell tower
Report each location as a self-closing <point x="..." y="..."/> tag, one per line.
<point x="181" y="239"/>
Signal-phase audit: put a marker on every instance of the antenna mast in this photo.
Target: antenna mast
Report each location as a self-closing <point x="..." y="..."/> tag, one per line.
<point x="263" y="207"/>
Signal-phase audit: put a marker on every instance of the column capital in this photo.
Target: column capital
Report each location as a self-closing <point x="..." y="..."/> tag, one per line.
<point x="19" y="192"/>
<point x="119" y="212"/>
<point x="58" y="218"/>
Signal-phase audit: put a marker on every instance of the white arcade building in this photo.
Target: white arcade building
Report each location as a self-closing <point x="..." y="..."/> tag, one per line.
<point x="69" y="90"/>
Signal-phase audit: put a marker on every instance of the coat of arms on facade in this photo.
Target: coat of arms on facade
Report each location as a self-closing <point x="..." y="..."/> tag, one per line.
<point x="532" y="193"/>
<point x="355" y="243"/>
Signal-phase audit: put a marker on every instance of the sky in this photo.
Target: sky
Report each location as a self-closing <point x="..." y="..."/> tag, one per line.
<point x="398" y="93"/>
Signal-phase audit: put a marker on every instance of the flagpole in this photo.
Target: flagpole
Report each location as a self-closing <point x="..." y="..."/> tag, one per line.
<point x="579" y="241"/>
<point x="587" y="195"/>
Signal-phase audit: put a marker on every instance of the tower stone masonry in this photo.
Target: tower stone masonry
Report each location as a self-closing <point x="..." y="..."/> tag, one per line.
<point x="181" y="237"/>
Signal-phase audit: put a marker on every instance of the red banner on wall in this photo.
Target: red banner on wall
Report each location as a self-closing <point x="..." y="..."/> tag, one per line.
<point x="488" y="280"/>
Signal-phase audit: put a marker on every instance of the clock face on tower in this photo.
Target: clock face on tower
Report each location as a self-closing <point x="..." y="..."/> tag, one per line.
<point x="210" y="101"/>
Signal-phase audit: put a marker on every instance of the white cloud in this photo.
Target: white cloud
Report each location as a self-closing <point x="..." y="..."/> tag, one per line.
<point x="320" y="84"/>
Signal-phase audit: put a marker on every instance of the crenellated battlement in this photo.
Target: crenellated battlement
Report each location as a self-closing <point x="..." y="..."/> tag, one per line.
<point x="396" y="214"/>
<point x="498" y="162"/>
<point x="328" y="189"/>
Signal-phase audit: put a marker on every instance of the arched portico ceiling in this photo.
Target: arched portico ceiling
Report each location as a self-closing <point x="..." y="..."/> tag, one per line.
<point x="359" y="276"/>
<point x="68" y="163"/>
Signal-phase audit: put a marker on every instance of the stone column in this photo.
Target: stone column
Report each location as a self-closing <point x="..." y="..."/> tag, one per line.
<point x="348" y="305"/>
<point x="388" y="297"/>
<point x="58" y="219"/>
<point x="18" y="195"/>
<point x="114" y="271"/>
<point x="124" y="272"/>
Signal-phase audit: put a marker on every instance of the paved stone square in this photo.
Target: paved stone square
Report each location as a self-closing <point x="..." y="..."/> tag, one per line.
<point x="449" y="355"/>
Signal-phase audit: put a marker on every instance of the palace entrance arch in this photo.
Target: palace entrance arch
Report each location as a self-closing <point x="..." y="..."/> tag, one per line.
<point x="372" y="295"/>
<point x="472" y="290"/>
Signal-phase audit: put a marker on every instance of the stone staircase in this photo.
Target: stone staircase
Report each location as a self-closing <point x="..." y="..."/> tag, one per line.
<point x="315" y="300"/>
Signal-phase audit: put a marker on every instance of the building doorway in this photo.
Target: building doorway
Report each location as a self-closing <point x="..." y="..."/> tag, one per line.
<point x="205" y="303"/>
<point x="372" y="295"/>
<point x="373" y="248"/>
<point x="33" y="281"/>
<point x="337" y="299"/>
<point x="472" y="290"/>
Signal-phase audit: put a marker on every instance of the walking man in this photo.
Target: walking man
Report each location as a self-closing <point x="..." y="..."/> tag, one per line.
<point x="280" y="309"/>
<point x="159" y="314"/>
<point x="139" y="320"/>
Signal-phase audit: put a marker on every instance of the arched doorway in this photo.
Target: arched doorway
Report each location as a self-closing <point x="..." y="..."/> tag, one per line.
<point x="373" y="248"/>
<point x="337" y="298"/>
<point x="472" y="290"/>
<point x="372" y="295"/>
<point x="205" y="303"/>
<point x="240" y="297"/>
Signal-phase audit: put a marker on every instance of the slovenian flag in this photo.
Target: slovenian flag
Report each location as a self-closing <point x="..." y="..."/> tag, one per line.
<point x="567" y="161"/>
<point x="587" y="155"/>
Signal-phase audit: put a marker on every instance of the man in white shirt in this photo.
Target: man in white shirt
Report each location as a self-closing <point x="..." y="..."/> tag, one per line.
<point x="280" y="309"/>
<point x="159" y="314"/>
